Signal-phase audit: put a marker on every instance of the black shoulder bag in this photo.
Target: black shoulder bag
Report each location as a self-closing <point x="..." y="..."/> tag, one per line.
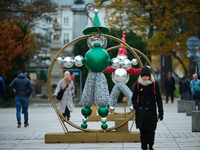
<point x="61" y="92"/>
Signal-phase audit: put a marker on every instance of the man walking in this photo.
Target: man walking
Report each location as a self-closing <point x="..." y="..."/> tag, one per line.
<point x="195" y="86"/>
<point x="22" y="89"/>
<point x="170" y="87"/>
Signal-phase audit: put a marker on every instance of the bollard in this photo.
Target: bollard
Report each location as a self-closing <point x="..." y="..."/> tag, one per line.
<point x="190" y="106"/>
<point x="195" y="121"/>
<point x="181" y="106"/>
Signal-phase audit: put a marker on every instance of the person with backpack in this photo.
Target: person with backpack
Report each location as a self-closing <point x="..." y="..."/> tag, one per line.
<point x="184" y="88"/>
<point x="2" y="88"/>
<point x="146" y="94"/>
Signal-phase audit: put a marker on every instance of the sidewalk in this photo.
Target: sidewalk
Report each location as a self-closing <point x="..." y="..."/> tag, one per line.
<point x="173" y="133"/>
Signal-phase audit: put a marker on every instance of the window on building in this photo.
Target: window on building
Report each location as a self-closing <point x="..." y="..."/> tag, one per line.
<point x="65" y="38"/>
<point x="66" y="20"/>
<point x="48" y="38"/>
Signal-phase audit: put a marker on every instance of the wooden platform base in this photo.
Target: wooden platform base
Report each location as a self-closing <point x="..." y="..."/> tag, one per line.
<point x="110" y="117"/>
<point x="92" y="137"/>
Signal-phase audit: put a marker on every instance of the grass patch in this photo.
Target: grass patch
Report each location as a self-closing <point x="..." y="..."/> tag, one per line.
<point x="176" y="92"/>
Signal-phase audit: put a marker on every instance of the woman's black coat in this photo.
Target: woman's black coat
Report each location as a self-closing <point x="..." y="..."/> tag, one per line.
<point x="145" y="107"/>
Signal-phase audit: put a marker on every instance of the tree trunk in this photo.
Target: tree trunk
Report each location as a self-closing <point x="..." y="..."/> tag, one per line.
<point x="166" y="66"/>
<point x="150" y="33"/>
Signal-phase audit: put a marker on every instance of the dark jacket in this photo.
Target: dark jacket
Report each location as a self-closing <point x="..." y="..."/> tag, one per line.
<point x="22" y="85"/>
<point x="184" y="85"/>
<point x="145" y="107"/>
<point x="2" y="87"/>
<point x="170" y="84"/>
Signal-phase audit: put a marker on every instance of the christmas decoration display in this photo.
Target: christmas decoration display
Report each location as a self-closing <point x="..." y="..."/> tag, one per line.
<point x="96" y="60"/>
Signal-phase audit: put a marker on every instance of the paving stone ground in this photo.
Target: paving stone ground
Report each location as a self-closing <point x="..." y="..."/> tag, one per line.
<point x="173" y="133"/>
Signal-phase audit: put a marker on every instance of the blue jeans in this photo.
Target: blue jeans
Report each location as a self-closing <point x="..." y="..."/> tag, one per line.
<point x="197" y="101"/>
<point x="21" y="102"/>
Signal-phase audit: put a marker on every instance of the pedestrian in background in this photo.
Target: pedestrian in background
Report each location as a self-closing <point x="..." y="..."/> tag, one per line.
<point x="184" y="86"/>
<point x="195" y="86"/>
<point x="66" y="103"/>
<point x="2" y="89"/>
<point x="169" y="87"/>
<point x="21" y="86"/>
<point x="148" y="92"/>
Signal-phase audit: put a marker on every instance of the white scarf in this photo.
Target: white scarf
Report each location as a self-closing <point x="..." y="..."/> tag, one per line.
<point x="145" y="83"/>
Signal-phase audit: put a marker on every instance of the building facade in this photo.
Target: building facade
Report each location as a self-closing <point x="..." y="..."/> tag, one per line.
<point x="73" y="19"/>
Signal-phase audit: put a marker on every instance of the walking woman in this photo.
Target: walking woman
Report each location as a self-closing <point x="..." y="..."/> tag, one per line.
<point x="66" y="103"/>
<point x="146" y="94"/>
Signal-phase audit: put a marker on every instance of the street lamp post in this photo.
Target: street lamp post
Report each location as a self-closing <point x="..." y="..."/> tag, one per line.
<point x="193" y="44"/>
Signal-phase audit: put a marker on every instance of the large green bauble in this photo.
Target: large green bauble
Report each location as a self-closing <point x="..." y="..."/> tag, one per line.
<point x="104" y="126"/>
<point x="103" y="111"/>
<point x="86" y="111"/>
<point x="97" y="59"/>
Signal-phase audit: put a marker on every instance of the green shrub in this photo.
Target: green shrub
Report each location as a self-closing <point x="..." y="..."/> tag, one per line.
<point x="176" y="92"/>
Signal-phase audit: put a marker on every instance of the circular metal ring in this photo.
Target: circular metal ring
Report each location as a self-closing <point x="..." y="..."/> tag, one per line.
<point x="49" y="88"/>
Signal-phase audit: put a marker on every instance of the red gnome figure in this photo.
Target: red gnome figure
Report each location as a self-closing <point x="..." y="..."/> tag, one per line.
<point x="120" y="77"/>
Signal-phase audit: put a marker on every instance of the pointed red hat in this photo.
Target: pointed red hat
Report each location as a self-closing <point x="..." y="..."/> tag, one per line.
<point x="122" y="49"/>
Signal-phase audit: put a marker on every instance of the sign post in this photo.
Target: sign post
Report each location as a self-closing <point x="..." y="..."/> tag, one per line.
<point x="193" y="44"/>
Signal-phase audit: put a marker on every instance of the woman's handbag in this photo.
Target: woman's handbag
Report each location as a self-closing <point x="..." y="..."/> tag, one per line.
<point x="61" y="92"/>
<point x="197" y="94"/>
